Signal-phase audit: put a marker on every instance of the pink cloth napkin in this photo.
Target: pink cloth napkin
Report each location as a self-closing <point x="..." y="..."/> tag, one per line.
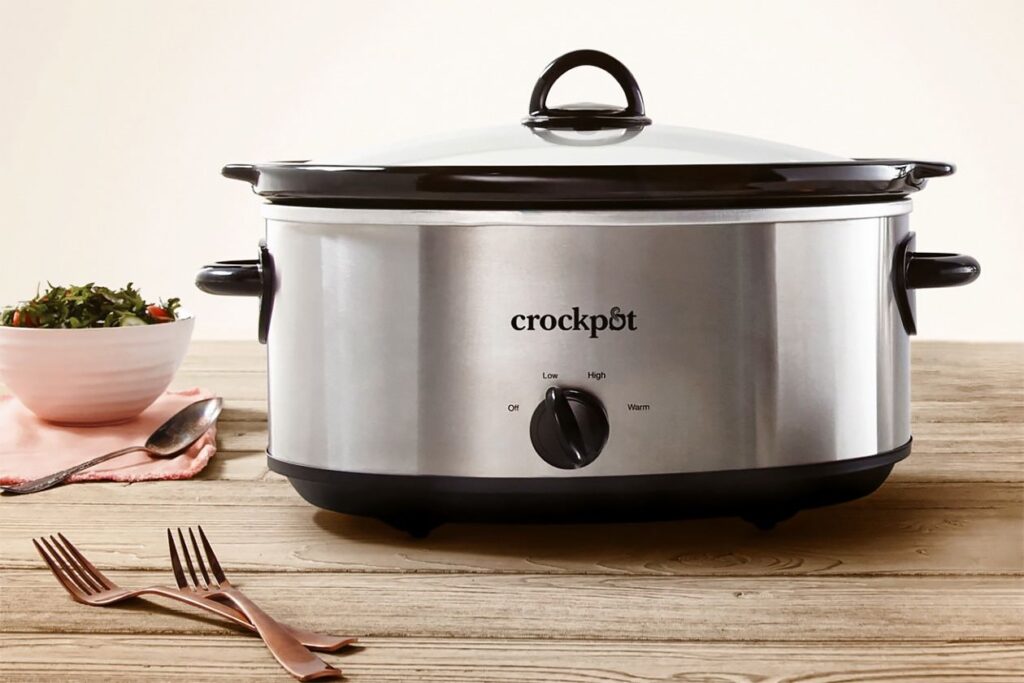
<point x="31" y="448"/>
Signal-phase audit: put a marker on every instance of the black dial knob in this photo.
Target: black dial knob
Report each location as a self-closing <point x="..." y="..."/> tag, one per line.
<point x="569" y="428"/>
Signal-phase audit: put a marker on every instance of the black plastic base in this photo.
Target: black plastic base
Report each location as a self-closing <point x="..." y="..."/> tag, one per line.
<point x="418" y="504"/>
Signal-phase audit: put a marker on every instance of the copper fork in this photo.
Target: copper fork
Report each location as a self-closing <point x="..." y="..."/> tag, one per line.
<point x="289" y="652"/>
<point x="88" y="585"/>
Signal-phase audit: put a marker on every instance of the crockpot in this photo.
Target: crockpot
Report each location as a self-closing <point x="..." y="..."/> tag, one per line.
<point x="586" y="315"/>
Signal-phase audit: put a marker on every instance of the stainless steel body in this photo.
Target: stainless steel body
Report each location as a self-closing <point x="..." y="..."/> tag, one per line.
<point x="762" y="338"/>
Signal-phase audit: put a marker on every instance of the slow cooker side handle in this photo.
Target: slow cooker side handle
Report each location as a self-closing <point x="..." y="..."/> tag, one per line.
<point x="936" y="269"/>
<point x="913" y="270"/>
<point x="244" y="277"/>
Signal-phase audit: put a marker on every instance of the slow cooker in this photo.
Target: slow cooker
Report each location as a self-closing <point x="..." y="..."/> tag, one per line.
<point x="586" y="315"/>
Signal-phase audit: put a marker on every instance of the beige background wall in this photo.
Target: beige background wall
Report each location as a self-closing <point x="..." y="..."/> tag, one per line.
<point x="116" y="116"/>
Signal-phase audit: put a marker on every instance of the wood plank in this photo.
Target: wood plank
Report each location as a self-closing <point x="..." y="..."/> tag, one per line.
<point x="955" y="356"/>
<point x="252" y="466"/>
<point x="982" y="411"/>
<point x="225" y="356"/>
<point x="969" y="382"/>
<point x="942" y="451"/>
<point x="919" y="468"/>
<point x="965" y="438"/>
<point x="232" y="385"/>
<point x="265" y="526"/>
<point x="952" y="467"/>
<point x="929" y="438"/>
<point x="964" y="412"/>
<point x="567" y="606"/>
<point x="953" y="452"/>
<point x="244" y="410"/>
<point x="88" y="657"/>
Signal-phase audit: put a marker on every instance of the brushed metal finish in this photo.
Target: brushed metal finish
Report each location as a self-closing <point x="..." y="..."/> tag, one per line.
<point x="758" y="344"/>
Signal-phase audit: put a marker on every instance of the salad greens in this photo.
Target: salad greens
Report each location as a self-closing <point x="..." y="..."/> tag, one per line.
<point x="88" y="306"/>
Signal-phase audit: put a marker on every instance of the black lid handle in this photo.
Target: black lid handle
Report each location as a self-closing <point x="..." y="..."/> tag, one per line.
<point x="582" y="117"/>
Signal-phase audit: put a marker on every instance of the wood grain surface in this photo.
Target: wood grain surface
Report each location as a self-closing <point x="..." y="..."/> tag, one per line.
<point x="445" y="660"/>
<point x="923" y="580"/>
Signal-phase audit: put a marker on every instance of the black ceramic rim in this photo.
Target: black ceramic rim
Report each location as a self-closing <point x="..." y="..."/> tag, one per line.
<point x="594" y="187"/>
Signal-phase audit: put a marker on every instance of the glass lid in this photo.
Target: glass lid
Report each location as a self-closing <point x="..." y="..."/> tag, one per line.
<point x="520" y="145"/>
<point x="586" y="156"/>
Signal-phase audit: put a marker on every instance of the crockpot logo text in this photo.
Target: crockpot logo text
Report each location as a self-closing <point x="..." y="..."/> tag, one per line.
<point x="576" y="321"/>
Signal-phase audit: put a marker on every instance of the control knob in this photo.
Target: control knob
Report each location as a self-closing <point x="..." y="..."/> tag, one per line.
<point x="569" y="428"/>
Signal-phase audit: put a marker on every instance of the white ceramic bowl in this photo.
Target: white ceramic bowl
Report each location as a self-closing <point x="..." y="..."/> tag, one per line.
<point x="95" y="375"/>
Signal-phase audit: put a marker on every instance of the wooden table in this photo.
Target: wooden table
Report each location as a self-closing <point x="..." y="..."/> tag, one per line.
<point x="921" y="580"/>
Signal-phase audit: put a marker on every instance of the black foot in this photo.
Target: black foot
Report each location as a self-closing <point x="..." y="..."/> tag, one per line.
<point x="417" y="527"/>
<point x="765" y="520"/>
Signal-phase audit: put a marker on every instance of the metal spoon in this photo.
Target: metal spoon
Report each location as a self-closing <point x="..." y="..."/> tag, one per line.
<point x="171" y="438"/>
